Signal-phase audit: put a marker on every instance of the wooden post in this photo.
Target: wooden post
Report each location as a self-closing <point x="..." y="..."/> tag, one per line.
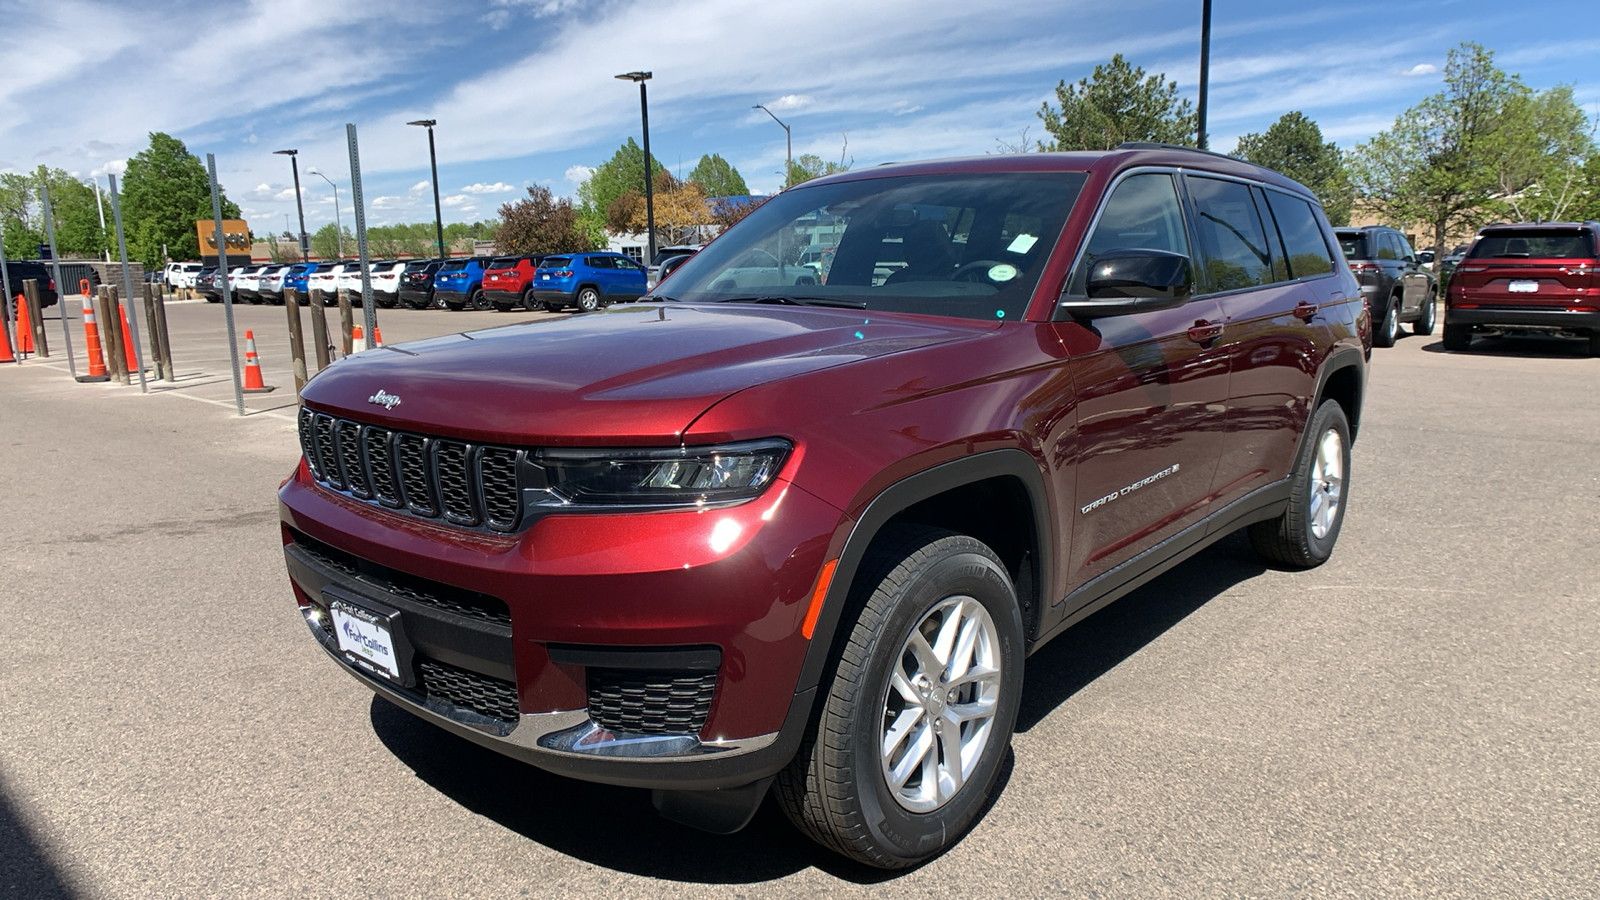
<point x="346" y="320"/>
<point x="30" y="296"/>
<point x="297" y="343"/>
<point x="152" y="299"/>
<point x="111" y="334"/>
<point x="319" y="330"/>
<point x="166" y="337"/>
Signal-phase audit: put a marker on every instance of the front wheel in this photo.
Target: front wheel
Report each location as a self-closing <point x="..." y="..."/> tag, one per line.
<point x="530" y="304"/>
<point x="920" y="705"/>
<point x="588" y="300"/>
<point x="1304" y="535"/>
<point x="1423" y="326"/>
<point x="1389" y="330"/>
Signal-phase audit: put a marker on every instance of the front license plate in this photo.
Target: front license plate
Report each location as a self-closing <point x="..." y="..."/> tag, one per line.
<point x="365" y="639"/>
<point x="1523" y="287"/>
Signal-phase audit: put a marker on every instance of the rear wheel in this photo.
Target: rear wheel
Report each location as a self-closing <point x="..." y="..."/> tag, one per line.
<point x="1423" y="326"/>
<point x="588" y="299"/>
<point x="1457" y="337"/>
<point x="1303" y="537"/>
<point x="1389" y="330"/>
<point x="528" y="303"/>
<point x="478" y="301"/>
<point x="920" y="705"/>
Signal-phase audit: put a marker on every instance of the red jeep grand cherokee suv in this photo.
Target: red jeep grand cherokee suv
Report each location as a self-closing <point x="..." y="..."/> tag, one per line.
<point x="796" y="527"/>
<point x="1542" y="278"/>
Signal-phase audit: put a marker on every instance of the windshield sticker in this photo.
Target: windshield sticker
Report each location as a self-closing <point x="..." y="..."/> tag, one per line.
<point x="1023" y="243"/>
<point x="1002" y="272"/>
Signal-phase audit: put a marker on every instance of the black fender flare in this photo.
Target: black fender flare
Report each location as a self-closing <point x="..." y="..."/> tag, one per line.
<point x="898" y="497"/>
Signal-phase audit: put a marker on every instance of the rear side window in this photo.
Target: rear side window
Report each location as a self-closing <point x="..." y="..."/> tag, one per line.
<point x="1230" y="234"/>
<point x="1388" y="247"/>
<point x="1302" y="236"/>
<point x="1563" y="244"/>
<point x="1142" y="213"/>
<point x="600" y="262"/>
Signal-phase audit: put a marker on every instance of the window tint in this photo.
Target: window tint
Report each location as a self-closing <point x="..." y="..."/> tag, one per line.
<point x="599" y="262"/>
<point x="1404" y="246"/>
<point x="1302" y="236"/>
<point x="1280" y="265"/>
<point x="1230" y="234"/>
<point x="555" y="262"/>
<point x="1387" y="248"/>
<point x="1553" y="244"/>
<point x="1354" y="244"/>
<point x="1143" y="213"/>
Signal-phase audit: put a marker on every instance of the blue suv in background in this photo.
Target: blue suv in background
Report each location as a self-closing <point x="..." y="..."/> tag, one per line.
<point x="299" y="275"/>
<point x="459" y="284"/>
<point x="587" y="281"/>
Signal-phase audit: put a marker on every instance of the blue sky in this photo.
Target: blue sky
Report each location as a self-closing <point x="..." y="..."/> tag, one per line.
<point x="524" y="94"/>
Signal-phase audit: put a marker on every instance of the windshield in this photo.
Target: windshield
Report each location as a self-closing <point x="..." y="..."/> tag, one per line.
<point x="1353" y="245"/>
<point x="970" y="246"/>
<point x="509" y="262"/>
<point x="1564" y="244"/>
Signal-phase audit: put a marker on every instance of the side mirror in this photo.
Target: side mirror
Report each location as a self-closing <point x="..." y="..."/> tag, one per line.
<point x="1122" y="282"/>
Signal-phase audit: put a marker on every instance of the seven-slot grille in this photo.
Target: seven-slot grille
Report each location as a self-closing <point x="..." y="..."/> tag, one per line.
<point x="463" y="483"/>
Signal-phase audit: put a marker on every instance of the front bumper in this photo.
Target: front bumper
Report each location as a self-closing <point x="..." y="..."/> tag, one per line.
<point x="582" y="590"/>
<point x="1490" y="318"/>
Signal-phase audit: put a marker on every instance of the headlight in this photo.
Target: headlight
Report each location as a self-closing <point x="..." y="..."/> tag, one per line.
<point x="687" y="476"/>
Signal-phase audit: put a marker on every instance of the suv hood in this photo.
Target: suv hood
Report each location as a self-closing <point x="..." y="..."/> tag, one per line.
<point x="631" y="375"/>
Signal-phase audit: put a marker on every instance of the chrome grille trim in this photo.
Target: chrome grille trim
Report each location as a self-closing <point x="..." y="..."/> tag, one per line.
<point x="458" y="482"/>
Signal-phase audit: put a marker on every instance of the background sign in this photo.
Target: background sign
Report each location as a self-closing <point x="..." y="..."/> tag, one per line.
<point x="234" y="232"/>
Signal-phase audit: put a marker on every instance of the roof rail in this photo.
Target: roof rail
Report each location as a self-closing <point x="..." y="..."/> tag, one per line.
<point x="1158" y="145"/>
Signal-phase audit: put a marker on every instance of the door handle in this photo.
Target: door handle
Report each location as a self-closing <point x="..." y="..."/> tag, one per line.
<point x="1204" y="332"/>
<point x="1305" y="311"/>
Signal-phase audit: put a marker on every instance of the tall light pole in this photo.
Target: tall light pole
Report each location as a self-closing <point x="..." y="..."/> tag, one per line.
<point x="433" y="160"/>
<point x="305" y="239"/>
<point x="1205" y="73"/>
<point x="337" y="224"/>
<point x="788" y="144"/>
<point x="649" y="189"/>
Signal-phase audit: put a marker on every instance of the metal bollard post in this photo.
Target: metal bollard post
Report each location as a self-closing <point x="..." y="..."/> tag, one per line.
<point x="30" y="296"/>
<point x="297" y="343"/>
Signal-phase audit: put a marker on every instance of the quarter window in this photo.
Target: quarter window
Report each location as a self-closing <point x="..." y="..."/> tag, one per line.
<point x="1302" y="236"/>
<point x="1230" y="235"/>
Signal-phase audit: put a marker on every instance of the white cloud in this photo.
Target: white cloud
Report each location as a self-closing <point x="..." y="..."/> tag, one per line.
<point x="386" y="202"/>
<point x="578" y="174"/>
<point x="902" y="107"/>
<point x="1420" y="69"/>
<point x="499" y="187"/>
<point x="114" y="167"/>
<point x="787" y="101"/>
<point x="421" y="186"/>
<point x="457" y="200"/>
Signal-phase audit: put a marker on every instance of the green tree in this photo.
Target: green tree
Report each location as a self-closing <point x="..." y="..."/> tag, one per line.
<point x="164" y="192"/>
<point x="74" y="208"/>
<point x="624" y="171"/>
<point x="1543" y="142"/>
<point x="718" y="177"/>
<point x="329" y="239"/>
<point x="1293" y="146"/>
<point x="17" y="204"/>
<point x="809" y="165"/>
<point x="1437" y="164"/>
<point x="540" y="223"/>
<point x="1115" y="104"/>
<point x="1586" y="195"/>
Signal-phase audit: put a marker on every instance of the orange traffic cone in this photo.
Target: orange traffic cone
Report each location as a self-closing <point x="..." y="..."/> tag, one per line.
<point x="358" y="342"/>
<point x="24" y="327"/>
<point x="5" y="346"/>
<point x="377" y="336"/>
<point x="127" y="342"/>
<point x="91" y="337"/>
<point x="252" y="367"/>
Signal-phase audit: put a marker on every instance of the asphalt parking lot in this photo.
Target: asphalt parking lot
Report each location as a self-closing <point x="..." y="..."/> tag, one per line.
<point x="1418" y="717"/>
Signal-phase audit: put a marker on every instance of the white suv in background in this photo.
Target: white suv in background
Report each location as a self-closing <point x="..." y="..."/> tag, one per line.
<point x="326" y="280"/>
<point x="386" y="282"/>
<point x="180" y="274"/>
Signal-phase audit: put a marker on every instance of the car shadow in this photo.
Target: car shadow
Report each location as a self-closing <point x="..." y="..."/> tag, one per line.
<point x="26" y="870"/>
<point x="1518" y="346"/>
<point x="618" y="828"/>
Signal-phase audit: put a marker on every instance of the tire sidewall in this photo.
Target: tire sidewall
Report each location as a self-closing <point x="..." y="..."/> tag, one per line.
<point x="917" y="836"/>
<point x="1330" y="416"/>
<point x="588" y="300"/>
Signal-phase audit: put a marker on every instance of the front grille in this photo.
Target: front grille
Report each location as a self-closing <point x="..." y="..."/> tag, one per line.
<point x="443" y="597"/>
<point x="482" y="694"/>
<point x="465" y="484"/>
<point x="639" y="702"/>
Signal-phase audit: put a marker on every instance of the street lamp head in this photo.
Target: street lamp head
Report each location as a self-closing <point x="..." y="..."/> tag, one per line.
<point x="425" y="123"/>
<point x="285" y="152"/>
<point x="633" y="76"/>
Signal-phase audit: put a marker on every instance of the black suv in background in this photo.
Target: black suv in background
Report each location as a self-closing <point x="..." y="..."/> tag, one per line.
<point x="416" y="283"/>
<point x="22" y="270"/>
<point x="1393" y="281"/>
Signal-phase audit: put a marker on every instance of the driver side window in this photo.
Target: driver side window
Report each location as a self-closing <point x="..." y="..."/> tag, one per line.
<point x="1142" y="213"/>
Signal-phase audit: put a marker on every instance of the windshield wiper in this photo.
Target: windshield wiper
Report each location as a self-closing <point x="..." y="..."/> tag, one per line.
<point x="791" y="300"/>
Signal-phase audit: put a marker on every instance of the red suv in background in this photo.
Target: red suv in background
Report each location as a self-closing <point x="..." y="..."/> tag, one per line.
<point x="1529" y="278"/>
<point x="508" y="282"/>
<point x="795" y="527"/>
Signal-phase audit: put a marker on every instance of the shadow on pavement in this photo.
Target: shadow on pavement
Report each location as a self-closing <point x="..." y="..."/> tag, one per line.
<point x="1518" y="346"/>
<point x="1098" y="644"/>
<point x="619" y="829"/>
<point x="25" y="871"/>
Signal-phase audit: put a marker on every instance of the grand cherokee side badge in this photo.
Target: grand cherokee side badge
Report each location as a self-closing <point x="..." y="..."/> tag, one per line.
<point x="384" y="399"/>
